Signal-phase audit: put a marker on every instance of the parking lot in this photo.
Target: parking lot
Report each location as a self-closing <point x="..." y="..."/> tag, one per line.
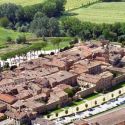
<point x="92" y="111"/>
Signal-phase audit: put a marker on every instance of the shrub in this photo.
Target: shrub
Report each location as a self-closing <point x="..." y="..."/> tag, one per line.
<point x="86" y="105"/>
<point x="57" y="114"/>
<point x="66" y="48"/>
<point x="66" y="111"/>
<point x="4" y="22"/>
<point x="74" y="41"/>
<point x="13" y="67"/>
<point x="9" y="39"/>
<point x="77" y="109"/>
<point x="121" y="38"/>
<point x="23" y="29"/>
<point x="120" y="92"/>
<point x="21" y="39"/>
<point x="52" y="53"/>
<point x="69" y="91"/>
<point x="48" y="116"/>
<point x="103" y="99"/>
<point x="6" y="66"/>
<point x="95" y="102"/>
<point x="41" y="55"/>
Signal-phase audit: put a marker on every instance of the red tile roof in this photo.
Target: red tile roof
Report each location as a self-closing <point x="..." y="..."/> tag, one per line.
<point x="7" y="98"/>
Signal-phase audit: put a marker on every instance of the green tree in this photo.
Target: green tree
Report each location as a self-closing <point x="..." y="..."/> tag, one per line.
<point x="21" y="39"/>
<point x="54" y="8"/>
<point x="39" y="15"/>
<point x="103" y="99"/>
<point x="40" y="26"/>
<point x="53" y="28"/>
<point x="9" y="10"/>
<point x="4" y="22"/>
<point x="112" y="95"/>
<point x="86" y="105"/>
<point x="71" y="26"/>
<point x="70" y="92"/>
<point x="119" y="92"/>
<point x="121" y="39"/>
<point x="6" y="65"/>
<point x="77" y="109"/>
<point x="56" y="114"/>
<point x="66" y="111"/>
<point x="9" y="39"/>
<point x="49" y="8"/>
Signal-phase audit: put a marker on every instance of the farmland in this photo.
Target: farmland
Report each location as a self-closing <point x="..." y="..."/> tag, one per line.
<point x="96" y="13"/>
<point x="102" y="13"/>
<point x="71" y="4"/>
<point x="4" y="33"/>
<point x="22" y="2"/>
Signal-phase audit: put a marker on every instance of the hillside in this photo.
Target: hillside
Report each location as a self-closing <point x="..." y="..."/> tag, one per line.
<point x="102" y="13"/>
<point x="71" y="4"/>
<point x="22" y="2"/>
<point x="4" y="33"/>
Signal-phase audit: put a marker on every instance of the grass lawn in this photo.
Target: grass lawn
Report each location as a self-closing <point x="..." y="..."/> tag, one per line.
<point x="22" y="2"/>
<point x="4" y="33"/>
<point x="62" y="45"/>
<point x="5" y="48"/>
<point x="92" y="96"/>
<point x="120" y="85"/>
<point x="75" y="103"/>
<point x="58" y="110"/>
<point x="110" y="12"/>
<point x="15" y="47"/>
<point x="78" y="102"/>
<point x="88" y="98"/>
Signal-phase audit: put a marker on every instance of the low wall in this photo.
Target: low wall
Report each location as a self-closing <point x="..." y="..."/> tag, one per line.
<point x="118" y="80"/>
<point x="84" y="93"/>
<point x="99" y="100"/>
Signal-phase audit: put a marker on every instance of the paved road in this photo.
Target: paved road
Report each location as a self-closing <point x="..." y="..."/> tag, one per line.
<point x="107" y="112"/>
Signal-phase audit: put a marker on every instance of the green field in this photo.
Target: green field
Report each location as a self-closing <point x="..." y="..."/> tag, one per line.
<point x="22" y="2"/>
<point x="4" y="33"/>
<point x="71" y="4"/>
<point x="102" y="12"/>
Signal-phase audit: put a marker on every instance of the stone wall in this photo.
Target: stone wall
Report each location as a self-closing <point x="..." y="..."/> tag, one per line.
<point x="118" y="80"/>
<point x="85" y="92"/>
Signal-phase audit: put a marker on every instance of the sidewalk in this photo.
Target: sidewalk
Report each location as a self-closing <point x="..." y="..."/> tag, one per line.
<point x="91" y="103"/>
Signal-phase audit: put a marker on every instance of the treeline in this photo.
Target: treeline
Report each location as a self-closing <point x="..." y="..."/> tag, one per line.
<point x="86" y="30"/>
<point x="19" y="18"/>
<point x="45" y="26"/>
<point x="44" y="20"/>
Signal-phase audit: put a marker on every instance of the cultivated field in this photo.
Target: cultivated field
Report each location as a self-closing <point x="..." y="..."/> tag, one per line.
<point x="4" y="33"/>
<point x="71" y="4"/>
<point x="102" y="13"/>
<point x="22" y="2"/>
<point x="5" y="48"/>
